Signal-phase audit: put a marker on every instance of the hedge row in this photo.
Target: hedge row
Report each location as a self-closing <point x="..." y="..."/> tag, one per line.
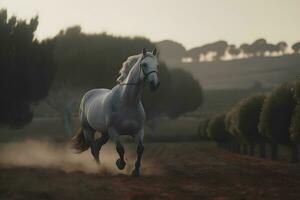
<point x="259" y="120"/>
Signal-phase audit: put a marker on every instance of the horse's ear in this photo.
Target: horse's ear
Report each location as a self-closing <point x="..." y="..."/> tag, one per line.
<point x="154" y="52"/>
<point x="144" y="51"/>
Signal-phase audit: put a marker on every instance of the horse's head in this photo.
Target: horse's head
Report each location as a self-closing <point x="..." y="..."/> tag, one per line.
<point x="149" y="66"/>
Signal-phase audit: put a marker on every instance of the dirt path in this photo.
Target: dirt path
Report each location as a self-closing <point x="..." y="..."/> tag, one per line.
<point x="171" y="171"/>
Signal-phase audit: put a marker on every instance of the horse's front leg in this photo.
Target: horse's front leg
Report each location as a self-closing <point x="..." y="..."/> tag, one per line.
<point x="115" y="137"/>
<point x="140" y="149"/>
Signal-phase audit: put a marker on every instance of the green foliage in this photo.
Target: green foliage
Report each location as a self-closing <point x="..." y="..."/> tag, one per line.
<point x="93" y="60"/>
<point x="230" y="123"/>
<point x="216" y="129"/>
<point x="247" y="118"/>
<point x="185" y="93"/>
<point x="275" y="118"/>
<point x="26" y="69"/>
<point x="295" y="124"/>
<point x="233" y="50"/>
<point x="296" y="89"/>
<point x="296" y="47"/>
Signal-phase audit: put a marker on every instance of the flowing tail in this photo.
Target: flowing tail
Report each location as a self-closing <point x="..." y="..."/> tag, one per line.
<point x="78" y="141"/>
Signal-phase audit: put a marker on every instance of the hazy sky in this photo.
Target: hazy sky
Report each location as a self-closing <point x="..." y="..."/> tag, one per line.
<point x="191" y="22"/>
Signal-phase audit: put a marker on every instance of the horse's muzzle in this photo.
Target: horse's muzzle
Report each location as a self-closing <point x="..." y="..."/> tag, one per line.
<point x="154" y="86"/>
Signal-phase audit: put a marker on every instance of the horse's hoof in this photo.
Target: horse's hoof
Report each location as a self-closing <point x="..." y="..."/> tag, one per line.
<point x="136" y="173"/>
<point x="120" y="164"/>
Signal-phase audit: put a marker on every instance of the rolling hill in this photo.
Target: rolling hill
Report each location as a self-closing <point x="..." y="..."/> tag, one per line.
<point x="234" y="74"/>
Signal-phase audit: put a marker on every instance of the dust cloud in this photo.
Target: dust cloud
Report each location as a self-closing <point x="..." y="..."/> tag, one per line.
<point x="44" y="154"/>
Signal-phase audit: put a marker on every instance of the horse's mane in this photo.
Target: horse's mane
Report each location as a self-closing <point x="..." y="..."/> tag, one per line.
<point x="126" y="67"/>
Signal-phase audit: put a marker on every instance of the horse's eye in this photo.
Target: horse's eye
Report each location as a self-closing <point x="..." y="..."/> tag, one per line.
<point x="157" y="66"/>
<point x="144" y="65"/>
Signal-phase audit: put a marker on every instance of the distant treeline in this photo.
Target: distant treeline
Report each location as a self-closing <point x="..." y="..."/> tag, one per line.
<point x="175" y="52"/>
<point x="272" y="118"/>
<point x="71" y="63"/>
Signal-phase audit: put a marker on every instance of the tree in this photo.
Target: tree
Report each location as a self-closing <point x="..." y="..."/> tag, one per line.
<point x="185" y="93"/>
<point x="282" y="46"/>
<point x="94" y="59"/>
<point x="26" y="69"/>
<point x="296" y="47"/>
<point x="247" y="118"/>
<point x="197" y="53"/>
<point x="220" y="48"/>
<point x="231" y="127"/>
<point x="170" y="52"/>
<point x="295" y="124"/>
<point x="233" y="51"/>
<point x="275" y="118"/>
<point x="246" y="50"/>
<point x="216" y="130"/>
<point x="259" y="47"/>
<point x="271" y="48"/>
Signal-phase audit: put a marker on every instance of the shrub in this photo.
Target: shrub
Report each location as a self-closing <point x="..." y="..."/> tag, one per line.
<point x="216" y="130"/>
<point x="276" y="115"/>
<point x="247" y="118"/>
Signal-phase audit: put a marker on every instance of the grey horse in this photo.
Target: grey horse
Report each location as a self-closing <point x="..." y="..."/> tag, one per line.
<point x="118" y="111"/>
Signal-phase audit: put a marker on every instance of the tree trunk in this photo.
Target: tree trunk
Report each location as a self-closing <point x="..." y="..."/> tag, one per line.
<point x="274" y="151"/>
<point x="262" y="150"/>
<point x="245" y="149"/>
<point x="252" y="149"/>
<point x="294" y="153"/>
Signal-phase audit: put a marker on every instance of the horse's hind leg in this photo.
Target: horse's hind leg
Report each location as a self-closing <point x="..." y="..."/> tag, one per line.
<point x="101" y="141"/>
<point x="89" y="134"/>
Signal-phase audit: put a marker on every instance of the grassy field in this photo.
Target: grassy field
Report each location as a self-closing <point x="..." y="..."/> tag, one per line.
<point x="170" y="171"/>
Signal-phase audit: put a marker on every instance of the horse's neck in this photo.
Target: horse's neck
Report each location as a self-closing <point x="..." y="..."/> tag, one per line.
<point x="132" y="93"/>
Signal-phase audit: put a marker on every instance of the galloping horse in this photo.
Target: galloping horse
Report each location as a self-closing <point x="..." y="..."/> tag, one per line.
<point x="118" y="111"/>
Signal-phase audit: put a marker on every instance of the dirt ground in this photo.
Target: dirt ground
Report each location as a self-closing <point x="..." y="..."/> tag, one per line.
<point x="170" y="171"/>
